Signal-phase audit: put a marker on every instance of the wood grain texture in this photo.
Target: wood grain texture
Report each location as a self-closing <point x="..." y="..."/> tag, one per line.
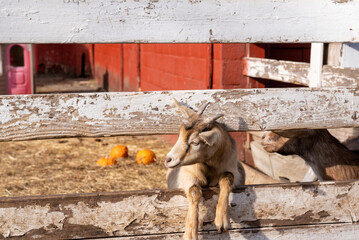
<point x="164" y="211"/>
<point x="101" y="21"/>
<point x="298" y="73"/>
<point x="334" y="76"/>
<point x="143" y="113"/>
<point x="316" y="64"/>
<point x="283" y="71"/>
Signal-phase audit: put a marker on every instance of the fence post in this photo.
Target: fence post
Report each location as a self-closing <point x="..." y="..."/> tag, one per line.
<point x="316" y="65"/>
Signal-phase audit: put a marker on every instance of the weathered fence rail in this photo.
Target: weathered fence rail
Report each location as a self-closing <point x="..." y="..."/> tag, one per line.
<point x="143" y="113"/>
<point x="100" y="21"/>
<point x="298" y="72"/>
<point x="284" y="211"/>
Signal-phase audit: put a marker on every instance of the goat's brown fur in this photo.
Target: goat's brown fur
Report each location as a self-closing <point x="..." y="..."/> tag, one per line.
<point x="204" y="155"/>
<point x="329" y="159"/>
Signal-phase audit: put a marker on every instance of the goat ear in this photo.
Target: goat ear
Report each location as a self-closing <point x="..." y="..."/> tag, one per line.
<point x="209" y="137"/>
<point x="185" y="110"/>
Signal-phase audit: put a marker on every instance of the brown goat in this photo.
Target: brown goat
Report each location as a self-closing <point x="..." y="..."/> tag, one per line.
<point x="204" y="155"/>
<point x="328" y="158"/>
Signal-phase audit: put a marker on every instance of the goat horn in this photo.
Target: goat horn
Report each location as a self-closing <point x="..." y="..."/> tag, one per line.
<point x="185" y="110"/>
<point x="201" y="110"/>
<point x="211" y="120"/>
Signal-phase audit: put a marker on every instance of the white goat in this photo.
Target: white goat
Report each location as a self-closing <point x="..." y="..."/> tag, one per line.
<point x="204" y="155"/>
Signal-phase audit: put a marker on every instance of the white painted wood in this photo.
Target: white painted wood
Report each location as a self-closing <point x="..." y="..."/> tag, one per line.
<point x="100" y="21"/>
<point x="298" y="73"/>
<point x="142" y="113"/>
<point x="334" y="76"/>
<point x="163" y="211"/>
<point x="334" y="54"/>
<point x="316" y="64"/>
<point x="284" y="71"/>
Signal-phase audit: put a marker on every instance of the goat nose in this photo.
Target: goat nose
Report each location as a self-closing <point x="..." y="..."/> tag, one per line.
<point x="168" y="159"/>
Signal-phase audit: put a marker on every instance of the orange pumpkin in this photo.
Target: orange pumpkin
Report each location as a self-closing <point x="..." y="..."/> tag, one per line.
<point x="106" y="162"/>
<point x="119" y="151"/>
<point x="145" y="156"/>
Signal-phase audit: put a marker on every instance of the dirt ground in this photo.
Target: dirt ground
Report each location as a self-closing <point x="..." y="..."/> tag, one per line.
<point x="61" y="84"/>
<point x="59" y="166"/>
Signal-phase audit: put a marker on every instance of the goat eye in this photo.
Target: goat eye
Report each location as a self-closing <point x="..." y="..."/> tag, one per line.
<point x="195" y="143"/>
<point x="205" y="129"/>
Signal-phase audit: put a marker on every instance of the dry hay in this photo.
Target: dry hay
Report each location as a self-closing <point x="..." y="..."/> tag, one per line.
<point x="60" y="166"/>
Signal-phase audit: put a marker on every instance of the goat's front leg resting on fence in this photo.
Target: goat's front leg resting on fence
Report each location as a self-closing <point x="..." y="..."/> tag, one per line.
<point x="194" y="194"/>
<point x="225" y="185"/>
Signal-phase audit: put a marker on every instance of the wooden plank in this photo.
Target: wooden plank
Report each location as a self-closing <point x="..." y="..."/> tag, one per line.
<point x="100" y="21"/>
<point x="334" y="76"/>
<point x="334" y="54"/>
<point x="298" y="73"/>
<point x="316" y="65"/>
<point x="283" y="71"/>
<point x="312" y="232"/>
<point x="164" y="211"/>
<point x="142" y="113"/>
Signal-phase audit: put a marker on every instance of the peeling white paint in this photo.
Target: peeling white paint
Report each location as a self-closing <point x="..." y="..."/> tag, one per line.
<point x="181" y="21"/>
<point x="19" y="221"/>
<point x="116" y="217"/>
<point x="104" y="114"/>
<point x="161" y="212"/>
<point x="298" y="73"/>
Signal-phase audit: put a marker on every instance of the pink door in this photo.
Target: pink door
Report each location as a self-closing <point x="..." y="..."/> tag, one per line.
<point x="18" y="66"/>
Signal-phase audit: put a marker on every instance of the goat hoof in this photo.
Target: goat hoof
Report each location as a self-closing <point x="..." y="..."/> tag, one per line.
<point x="222" y="224"/>
<point x="190" y="236"/>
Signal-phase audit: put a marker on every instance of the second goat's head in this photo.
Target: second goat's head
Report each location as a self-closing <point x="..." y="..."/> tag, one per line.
<point x="198" y="139"/>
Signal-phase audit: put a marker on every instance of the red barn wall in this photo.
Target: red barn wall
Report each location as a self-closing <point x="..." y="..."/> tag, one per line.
<point x="131" y="67"/>
<point x="63" y="59"/>
<point x="299" y="52"/>
<point x="108" y="60"/>
<point x="175" y="66"/>
<point x="117" y="66"/>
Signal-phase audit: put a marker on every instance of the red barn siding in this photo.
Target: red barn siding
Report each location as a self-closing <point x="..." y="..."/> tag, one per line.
<point x="131" y="67"/>
<point x="227" y="65"/>
<point x="63" y="58"/>
<point x="108" y="66"/>
<point x="175" y="66"/>
<point x="299" y="52"/>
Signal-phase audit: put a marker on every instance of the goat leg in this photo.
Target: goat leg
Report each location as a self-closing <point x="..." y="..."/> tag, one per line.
<point x="225" y="185"/>
<point x="194" y="195"/>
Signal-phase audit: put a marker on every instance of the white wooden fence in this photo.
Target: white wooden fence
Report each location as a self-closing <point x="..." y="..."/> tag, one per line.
<point x="289" y="211"/>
